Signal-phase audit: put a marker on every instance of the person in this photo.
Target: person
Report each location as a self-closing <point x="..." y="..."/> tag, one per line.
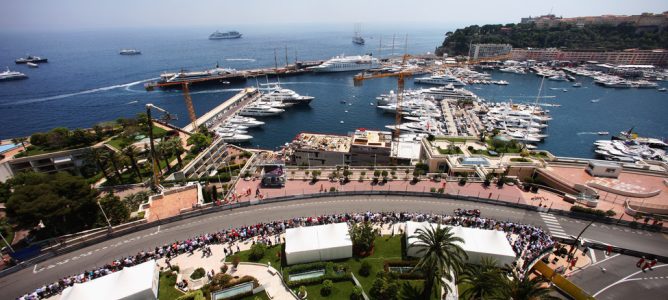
<point x="646" y="266"/>
<point x="652" y="264"/>
<point x="608" y="251"/>
<point x="573" y="262"/>
<point x="640" y="262"/>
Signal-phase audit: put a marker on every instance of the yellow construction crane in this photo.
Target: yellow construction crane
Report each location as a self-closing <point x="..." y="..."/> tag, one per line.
<point x="189" y="105"/>
<point x="401" y="75"/>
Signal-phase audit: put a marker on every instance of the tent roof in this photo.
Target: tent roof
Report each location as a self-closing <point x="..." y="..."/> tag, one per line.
<point x="310" y="238"/>
<point x="133" y="280"/>
<point x="483" y="241"/>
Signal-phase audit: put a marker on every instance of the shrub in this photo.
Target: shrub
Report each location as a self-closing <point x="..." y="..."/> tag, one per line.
<point x="175" y="268"/>
<point x="257" y="252"/>
<point x="302" y="291"/>
<point x="365" y="269"/>
<point x="332" y="189"/>
<point x="197" y="274"/>
<point x="470" y="148"/>
<point x="356" y="293"/>
<point x="223" y="268"/>
<point x="462" y="181"/>
<point x="432" y="190"/>
<point x="441" y="191"/>
<point x="194" y="295"/>
<point x="587" y="210"/>
<point x="326" y="289"/>
<point x="235" y="261"/>
<point x="486" y="182"/>
<point x="384" y="173"/>
<point x="610" y="213"/>
<point x="376" y="173"/>
<point x="534" y="188"/>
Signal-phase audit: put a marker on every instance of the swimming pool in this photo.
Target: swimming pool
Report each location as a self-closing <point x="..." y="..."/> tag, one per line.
<point x="307" y="275"/>
<point x="233" y="291"/>
<point x="6" y="147"/>
<point x="474" y="161"/>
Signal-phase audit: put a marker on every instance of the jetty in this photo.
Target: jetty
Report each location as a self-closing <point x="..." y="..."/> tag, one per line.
<point x="226" y="109"/>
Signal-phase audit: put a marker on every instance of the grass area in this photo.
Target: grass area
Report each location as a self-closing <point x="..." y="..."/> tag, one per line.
<point x="119" y="142"/>
<point x="508" y="148"/>
<point x="539" y="154"/>
<point x="454" y="150"/>
<point x="261" y="295"/>
<point x="271" y="256"/>
<point x="166" y="290"/>
<point x="341" y="290"/>
<point x="33" y="150"/>
<point x="385" y="248"/>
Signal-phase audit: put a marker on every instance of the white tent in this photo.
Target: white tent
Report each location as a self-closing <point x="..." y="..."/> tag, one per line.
<point x="478" y="243"/>
<point x="134" y="283"/>
<point x="317" y="243"/>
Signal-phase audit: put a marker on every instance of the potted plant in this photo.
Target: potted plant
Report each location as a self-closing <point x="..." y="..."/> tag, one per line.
<point x="235" y="262"/>
<point x="301" y="292"/>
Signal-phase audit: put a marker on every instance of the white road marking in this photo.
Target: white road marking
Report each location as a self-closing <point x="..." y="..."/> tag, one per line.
<point x="624" y="280"/>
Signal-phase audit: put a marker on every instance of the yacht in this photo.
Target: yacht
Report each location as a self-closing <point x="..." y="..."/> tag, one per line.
<point x="185" y="75"/>
<point x="358" y="40"/>
<point x="225" y="35"/>
<point x="258" y="110"/>
<point x="245" y="121"/>
<point x="129" y="52"/>
<point x="440" y="80"/>
<point x="11" y="75"/>
<point x="31" y="59"/>
<point x="516" y="70"/>
<point x="32" y="65"/>
<point x="501" y="82"/>
<point x="347" y="63"/>
<point x="284" y="95"/>
<point x="232" y="137"/>
<point x="577" y="84"/>
<point x="558" y="77"/>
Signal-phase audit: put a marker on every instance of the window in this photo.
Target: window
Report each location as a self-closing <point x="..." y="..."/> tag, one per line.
<point x="610" y="170"/>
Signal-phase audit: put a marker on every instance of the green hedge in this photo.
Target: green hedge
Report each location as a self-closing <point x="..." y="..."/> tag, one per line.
<point x="587" y="210"/>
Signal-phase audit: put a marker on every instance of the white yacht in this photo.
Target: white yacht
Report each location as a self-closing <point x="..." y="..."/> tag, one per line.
<point x="258" y="110"/>
<point x="232" y="137"/>
<point x="245" y="121"/>
<point x="11" y="75"/>
<point x="440" y="80"/>
<point x="284" y="95"/>
<point x="347" y="63"/>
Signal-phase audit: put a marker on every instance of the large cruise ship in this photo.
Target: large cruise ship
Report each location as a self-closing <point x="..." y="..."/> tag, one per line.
<point x="347" y="63"/>
<point x="224" y="35"/>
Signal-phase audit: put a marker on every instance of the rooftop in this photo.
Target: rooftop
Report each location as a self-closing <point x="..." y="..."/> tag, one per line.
<point x="363" y="137"/>
<point x="326" y="142"/>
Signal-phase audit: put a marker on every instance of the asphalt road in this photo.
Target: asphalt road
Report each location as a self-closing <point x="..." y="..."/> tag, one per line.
<point x="617" y="277"/>
<point x="96" y="255"/>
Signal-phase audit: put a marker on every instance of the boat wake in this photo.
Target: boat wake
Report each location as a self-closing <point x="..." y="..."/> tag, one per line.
<point x="91" y="91"/>
<point x="587" y="132"/>
<point x="239" y="59"/>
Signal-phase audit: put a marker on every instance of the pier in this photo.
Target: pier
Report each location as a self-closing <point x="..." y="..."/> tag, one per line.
<point x="226" y="109"/>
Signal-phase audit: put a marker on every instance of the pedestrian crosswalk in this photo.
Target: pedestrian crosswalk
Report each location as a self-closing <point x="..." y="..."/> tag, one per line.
<point x="553" y="225"/>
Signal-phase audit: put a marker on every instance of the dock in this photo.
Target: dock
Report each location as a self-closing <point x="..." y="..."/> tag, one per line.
<point x="226" y="109"/>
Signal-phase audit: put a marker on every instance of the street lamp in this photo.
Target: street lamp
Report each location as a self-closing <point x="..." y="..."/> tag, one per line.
<point x="104" y="214"/>
<point x="8" y="244"/>
<point x="578" y="238"/>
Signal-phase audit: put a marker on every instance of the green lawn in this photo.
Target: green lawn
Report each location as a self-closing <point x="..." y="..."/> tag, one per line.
<point x="270" y="256"/>
<point x="454" y="150"/>
<point x="166" y="290"/>
<point x="341" y="290"/>
<point x="453" y="139"/>
<point x="118" y="141"/>
<point x="385" y="248"/>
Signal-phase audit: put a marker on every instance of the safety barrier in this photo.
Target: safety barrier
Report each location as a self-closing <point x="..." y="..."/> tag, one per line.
<point x="562" y="283"/>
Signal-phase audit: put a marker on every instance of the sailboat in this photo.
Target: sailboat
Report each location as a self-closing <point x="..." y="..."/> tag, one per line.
<point x="357" y="38"/>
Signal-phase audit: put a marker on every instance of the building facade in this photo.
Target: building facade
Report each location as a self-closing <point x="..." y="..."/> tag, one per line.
<point x="479" y="51"/>
<point x="642" y="20"/>
<point x="66" y="160"/>
<point x="658" y="57"/>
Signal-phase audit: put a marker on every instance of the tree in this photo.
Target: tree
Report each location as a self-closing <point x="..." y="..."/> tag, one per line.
<point x="524" y="288"/>
<point x="63" y="202"/>
<point x="177" y="149"/>
<point x="20" y="140"/>
<point x="199" y="142"/>
<point x="112" y="157"/>
<point x="441" y="255"/>
<point x="95" y="155"/>
<point x="363" y="236"/>
<point x="163" y="149"/>
<point x="131" y="152"/>
<point x="483" y="280"/>
<point x="115" y="210"/>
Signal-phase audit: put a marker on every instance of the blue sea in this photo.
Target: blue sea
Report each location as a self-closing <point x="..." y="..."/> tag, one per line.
<point x="86" y="81"/>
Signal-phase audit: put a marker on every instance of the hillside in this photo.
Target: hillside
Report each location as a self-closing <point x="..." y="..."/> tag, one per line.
<point x="600" y="37"/>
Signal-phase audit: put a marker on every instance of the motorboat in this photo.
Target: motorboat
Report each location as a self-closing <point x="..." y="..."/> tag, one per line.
<point x="234" y="137"/>
<point x="501" y="82"/>
<point x="284" y="95"/>
<point x="577" y="84"/>
<point x="32" y="65"/>
<point x="440" y="80"/>
<point x="12" y="75"/>
<point x="662" y="89"/>
<point x="245" y="121"/>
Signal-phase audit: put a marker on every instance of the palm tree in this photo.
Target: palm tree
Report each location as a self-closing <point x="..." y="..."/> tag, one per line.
<point x="483" y="279"/>
<point x="177" y="149"/>
<point x="113" y="158"/>
<point x="524" y="288"/>
<point x="441" y="255"/>
<point x="132" y="153"/>
<point x="164" y="151"/>
<point x="20" y="140"/>
<point x="95" y="155"/>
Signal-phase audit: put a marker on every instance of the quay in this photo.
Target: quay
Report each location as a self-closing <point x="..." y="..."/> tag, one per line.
<point x="226" y="109"/>
<point x="237" y="76"/>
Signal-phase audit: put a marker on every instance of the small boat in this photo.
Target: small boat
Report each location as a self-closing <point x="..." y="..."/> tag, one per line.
<point x="129" y="52"/>
<point x="577" y="84"/>
<point x="595" y="100"/>
<point x="564" y="90"/>
<point x="32" y="65"/>
<point x="603" y="133"/>
<point x="343" y="101"/>
<point x="371" y="103"/>
<point x="341" y="122"/>
<point x="662" y="89"/>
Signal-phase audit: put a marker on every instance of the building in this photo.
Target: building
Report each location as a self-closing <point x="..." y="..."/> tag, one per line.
<point x="211" y="159"/>
<point x="370" y="147"/>
<point x="657" y="57"/>
<point x="644" y="20"/>
<point x="53" y="162"/>
<point x="312" y="149"/>
<point x="317" y="243"/>
<point x="602" y="169"/>
<point x="480" y="51"/>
